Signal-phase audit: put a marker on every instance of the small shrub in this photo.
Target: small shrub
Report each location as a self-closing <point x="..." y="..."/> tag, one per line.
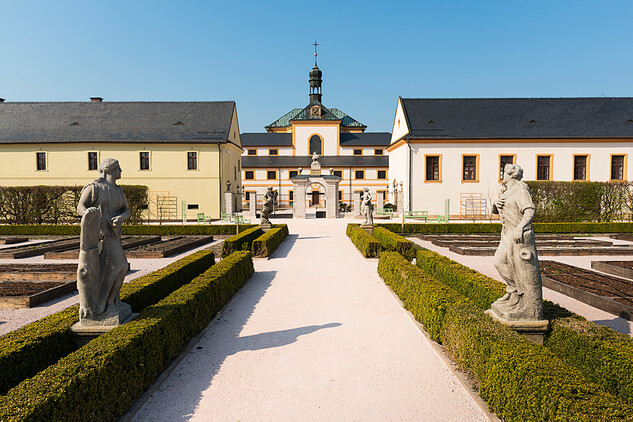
<point x="393" y="242"/>
<point x="367" y="244"/>
<point x="268" y="242"/>
<point x="242" y="241"/>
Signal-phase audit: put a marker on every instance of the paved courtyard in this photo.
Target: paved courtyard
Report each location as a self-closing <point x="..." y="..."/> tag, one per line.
<point x="314" y="335"/>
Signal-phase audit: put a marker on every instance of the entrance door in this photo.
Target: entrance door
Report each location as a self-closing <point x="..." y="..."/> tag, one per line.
<point x="315" y="197"/>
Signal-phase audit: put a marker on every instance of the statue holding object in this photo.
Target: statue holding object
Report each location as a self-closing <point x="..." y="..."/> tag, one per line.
<point x="367" y="208"/>
<point x="267" y="208"/>
<point x="102" y="263"/>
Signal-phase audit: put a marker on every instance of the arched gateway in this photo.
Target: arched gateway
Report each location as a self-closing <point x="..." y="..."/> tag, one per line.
<point x="302" y="182"/>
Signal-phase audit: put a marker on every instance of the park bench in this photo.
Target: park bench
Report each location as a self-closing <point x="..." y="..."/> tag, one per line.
<point x="225" y="217"/>
<point x="202" y="219"/>
<point x="417" y="214"/>
<point x="383" y="213"/>
<point x="440" y="219"/>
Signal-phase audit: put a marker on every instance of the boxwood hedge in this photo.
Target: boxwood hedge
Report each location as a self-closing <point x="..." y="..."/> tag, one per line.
<point x="100" y="381"/>
<point x="242" y="241"/>
<point x="138" y="230"/>
<point x="601" y="354"/>
<point x="266" y="244"/>
<point x="394" y="242"/>
<point x="495" y="228"/>
<point x="367" y="244"/>
<point x="520" y="381"/>
<point x="28" y="350"/>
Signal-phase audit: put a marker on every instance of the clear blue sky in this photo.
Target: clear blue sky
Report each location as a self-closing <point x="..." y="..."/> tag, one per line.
<point x="259" y="53"/>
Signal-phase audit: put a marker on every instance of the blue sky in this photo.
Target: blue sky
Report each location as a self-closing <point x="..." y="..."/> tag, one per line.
<point x="259" y="53"/>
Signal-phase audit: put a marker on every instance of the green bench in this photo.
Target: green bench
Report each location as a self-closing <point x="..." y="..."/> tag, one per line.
<point x="383" y="213"/>
<point x="441" y="219"/>
<point x="417" y="214"/>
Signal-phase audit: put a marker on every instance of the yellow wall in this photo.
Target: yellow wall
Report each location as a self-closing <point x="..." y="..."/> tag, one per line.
<point x="67" y="164"/>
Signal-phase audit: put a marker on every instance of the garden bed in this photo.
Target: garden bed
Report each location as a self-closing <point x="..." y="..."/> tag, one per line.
<point x="564" y="250"/>
<point x="618" y="268"/>
<point x="37" y="272"/>
<point x="12" y="240"/>
<point x="26" y="294"/>
<point x="168" y="247"/>
<point x="128" y="242"/>
<point x="611" y="294"/>
<point x="445" y="243"/>
<point x="38" y="248"/>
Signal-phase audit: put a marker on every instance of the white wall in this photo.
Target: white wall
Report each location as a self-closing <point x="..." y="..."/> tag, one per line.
<point x="431" y="196"/>
<point x="304" y="133"/>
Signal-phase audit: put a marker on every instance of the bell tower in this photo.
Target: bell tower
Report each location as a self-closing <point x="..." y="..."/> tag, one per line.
<point x="315" y="80"/>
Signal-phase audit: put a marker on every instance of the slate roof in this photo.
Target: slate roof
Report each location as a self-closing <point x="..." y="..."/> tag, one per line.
<point x="519" y="118"/>
<point x="305" y="161"/>
<point x="266" y="139"/>
<point x="326" y="114"/>
<point x="173" y="122"/>
<point x="377" y="139"/>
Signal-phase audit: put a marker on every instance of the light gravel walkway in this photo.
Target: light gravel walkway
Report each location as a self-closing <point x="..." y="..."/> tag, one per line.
<point x="315" y="335"/>
<point x="484" y="265"/>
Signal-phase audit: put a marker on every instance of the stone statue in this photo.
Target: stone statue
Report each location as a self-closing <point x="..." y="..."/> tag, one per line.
<point x="367" y="209"/>
<point x="102" y="262"/>
<point x="315" y="157"/>
<point x="228" y="186"/>
<point x="516" y="259"/>
<point x="267" y="207"/>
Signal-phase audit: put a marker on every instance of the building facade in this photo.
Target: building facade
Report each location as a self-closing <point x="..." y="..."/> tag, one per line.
<point x="449" y="153"/>
<point x="344" y="148"/>
<point x="185" y="152"/>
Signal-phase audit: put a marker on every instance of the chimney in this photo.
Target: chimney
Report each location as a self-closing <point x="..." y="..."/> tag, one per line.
<point x="96" y="99"/>
<point x="1" y="100"/>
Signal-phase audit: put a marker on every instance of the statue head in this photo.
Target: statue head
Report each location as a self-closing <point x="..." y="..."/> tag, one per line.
<point x="512" y="171"/>
<point x="366" y="189"/>
<point x="110" y="166"/>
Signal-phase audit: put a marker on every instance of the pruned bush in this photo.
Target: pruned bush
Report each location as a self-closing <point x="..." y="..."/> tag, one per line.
<point x="367" y="244"/>
<point x="495" y="228"/>
<point x="268" y="242"/>
<point x="394" y="242"/>
<point x="242" y="241"/>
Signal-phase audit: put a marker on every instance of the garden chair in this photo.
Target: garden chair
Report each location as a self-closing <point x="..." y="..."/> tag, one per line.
<point x="200" y="218"/>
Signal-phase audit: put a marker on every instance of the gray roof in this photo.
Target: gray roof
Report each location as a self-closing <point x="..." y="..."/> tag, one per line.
<point x="306" y="161"/>
<point x="266" y="139"/>
<point x="172" y="122"/>
<point x="516" y="118"/>
<point x="377" y="139"/>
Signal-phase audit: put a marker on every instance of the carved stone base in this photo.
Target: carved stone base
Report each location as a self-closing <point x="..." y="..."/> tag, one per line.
<point x="266" y="226"/>
<point x="85" y="333"/>
<point x="533" y="330"/>
<point x="369" y="228"/>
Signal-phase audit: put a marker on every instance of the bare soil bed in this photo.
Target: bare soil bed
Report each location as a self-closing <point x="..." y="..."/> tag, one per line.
<point x="38" y="248"/>
<point x="622" y="269"/>
<point x="622" y="236"/>
<point x="26" y="294"/>
<point x="128" y="242"/>
<point x="604" y="291"/>
<point x="168" y="247"/>
<point x="10" y="240"/>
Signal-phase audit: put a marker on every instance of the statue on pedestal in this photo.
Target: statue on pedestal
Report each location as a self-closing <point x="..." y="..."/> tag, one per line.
<point x="516" y="258"/>
<point x="102" y="262"/>
<point x="367" y="208"/>
<point x="267" y="208"/>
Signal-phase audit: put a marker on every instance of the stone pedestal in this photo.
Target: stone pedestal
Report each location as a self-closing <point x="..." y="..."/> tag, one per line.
<point x="380" y="199"/>
<point x="83" y="334"/>
<point x="228" y="203"/>
<point x="369" y="228"/>
<point x="331" y="198"/>
<point x="299" y="202"/>
<point x="533" y="330"/>
<point x="253" y="204"/>
<point x="315" y="169"/>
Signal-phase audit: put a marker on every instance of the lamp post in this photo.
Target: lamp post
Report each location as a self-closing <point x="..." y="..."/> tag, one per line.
<point x="239" y="192"/>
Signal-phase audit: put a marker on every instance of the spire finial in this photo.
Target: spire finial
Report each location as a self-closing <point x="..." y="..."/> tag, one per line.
<point x="315" y="52"/>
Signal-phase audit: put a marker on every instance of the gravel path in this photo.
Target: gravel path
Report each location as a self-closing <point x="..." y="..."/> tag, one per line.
<point x="314" y="335"/>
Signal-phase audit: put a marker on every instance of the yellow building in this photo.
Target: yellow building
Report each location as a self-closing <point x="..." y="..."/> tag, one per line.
<point x="185" y="152"/>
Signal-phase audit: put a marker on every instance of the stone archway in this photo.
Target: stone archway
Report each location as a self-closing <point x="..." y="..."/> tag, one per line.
<point x="302" y="186"/>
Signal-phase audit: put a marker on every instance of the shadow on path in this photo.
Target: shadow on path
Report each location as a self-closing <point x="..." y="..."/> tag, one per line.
<point x="197" y="370"/>
<point x="618" y="324"/>
<point x="283" y="249"/>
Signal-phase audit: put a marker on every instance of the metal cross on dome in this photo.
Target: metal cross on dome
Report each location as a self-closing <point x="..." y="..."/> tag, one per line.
<point x="315" y="52"/>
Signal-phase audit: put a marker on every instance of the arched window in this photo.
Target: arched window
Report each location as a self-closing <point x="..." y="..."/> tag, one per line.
<point x="316" y="145"/>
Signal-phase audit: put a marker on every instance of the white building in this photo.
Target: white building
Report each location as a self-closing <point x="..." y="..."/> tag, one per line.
<point x="448" y="153"/>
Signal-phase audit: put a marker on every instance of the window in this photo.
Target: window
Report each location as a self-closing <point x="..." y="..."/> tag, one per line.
<point x="338" y="173"/>
<point x="432" y="173"/>
<point x="617" y="167"/>
<point x="291" y="195"/>
<point x="271" y="174"/>
<point x="144" y="157"/>
<point x="247" y="196"/>
<point x="340" y="195"/>
<point x="252" y="152"/>
<point x="503" y="160"/>
<point x="192" y="160"/>
<point x="580" y="167"/>
<point x="273" y="152"/>
<point x="292" y="173"/>
<point x="382" y="174"/>
<point x="359" y="174"/>
<point x="379" y="151"/>
<point x="316" y="145"/>
<point x="234" y="172"/>
<point x="469" y="168"/>
<point x="543" y="164"/>
<point x="249" y="175"/>
<point x="93" y="161"/>
<point x="192" y="206"/>
<point x="40" y="158"/>
<point x="358" y="152"/>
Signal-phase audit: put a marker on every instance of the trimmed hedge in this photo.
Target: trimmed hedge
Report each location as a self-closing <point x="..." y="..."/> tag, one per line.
<point x="268" y="242"/>
<point x="601" y="354"/>
<point x="520" y="381"/>
<point x="101" y="381"/>
<point x="495" y="228"/>
<point x="394" y="242"/>
<point x="242" y="241"/>
<point x="367" y="244"/>
<point x="31" y="348"/>
<point x="130" y="230"/>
